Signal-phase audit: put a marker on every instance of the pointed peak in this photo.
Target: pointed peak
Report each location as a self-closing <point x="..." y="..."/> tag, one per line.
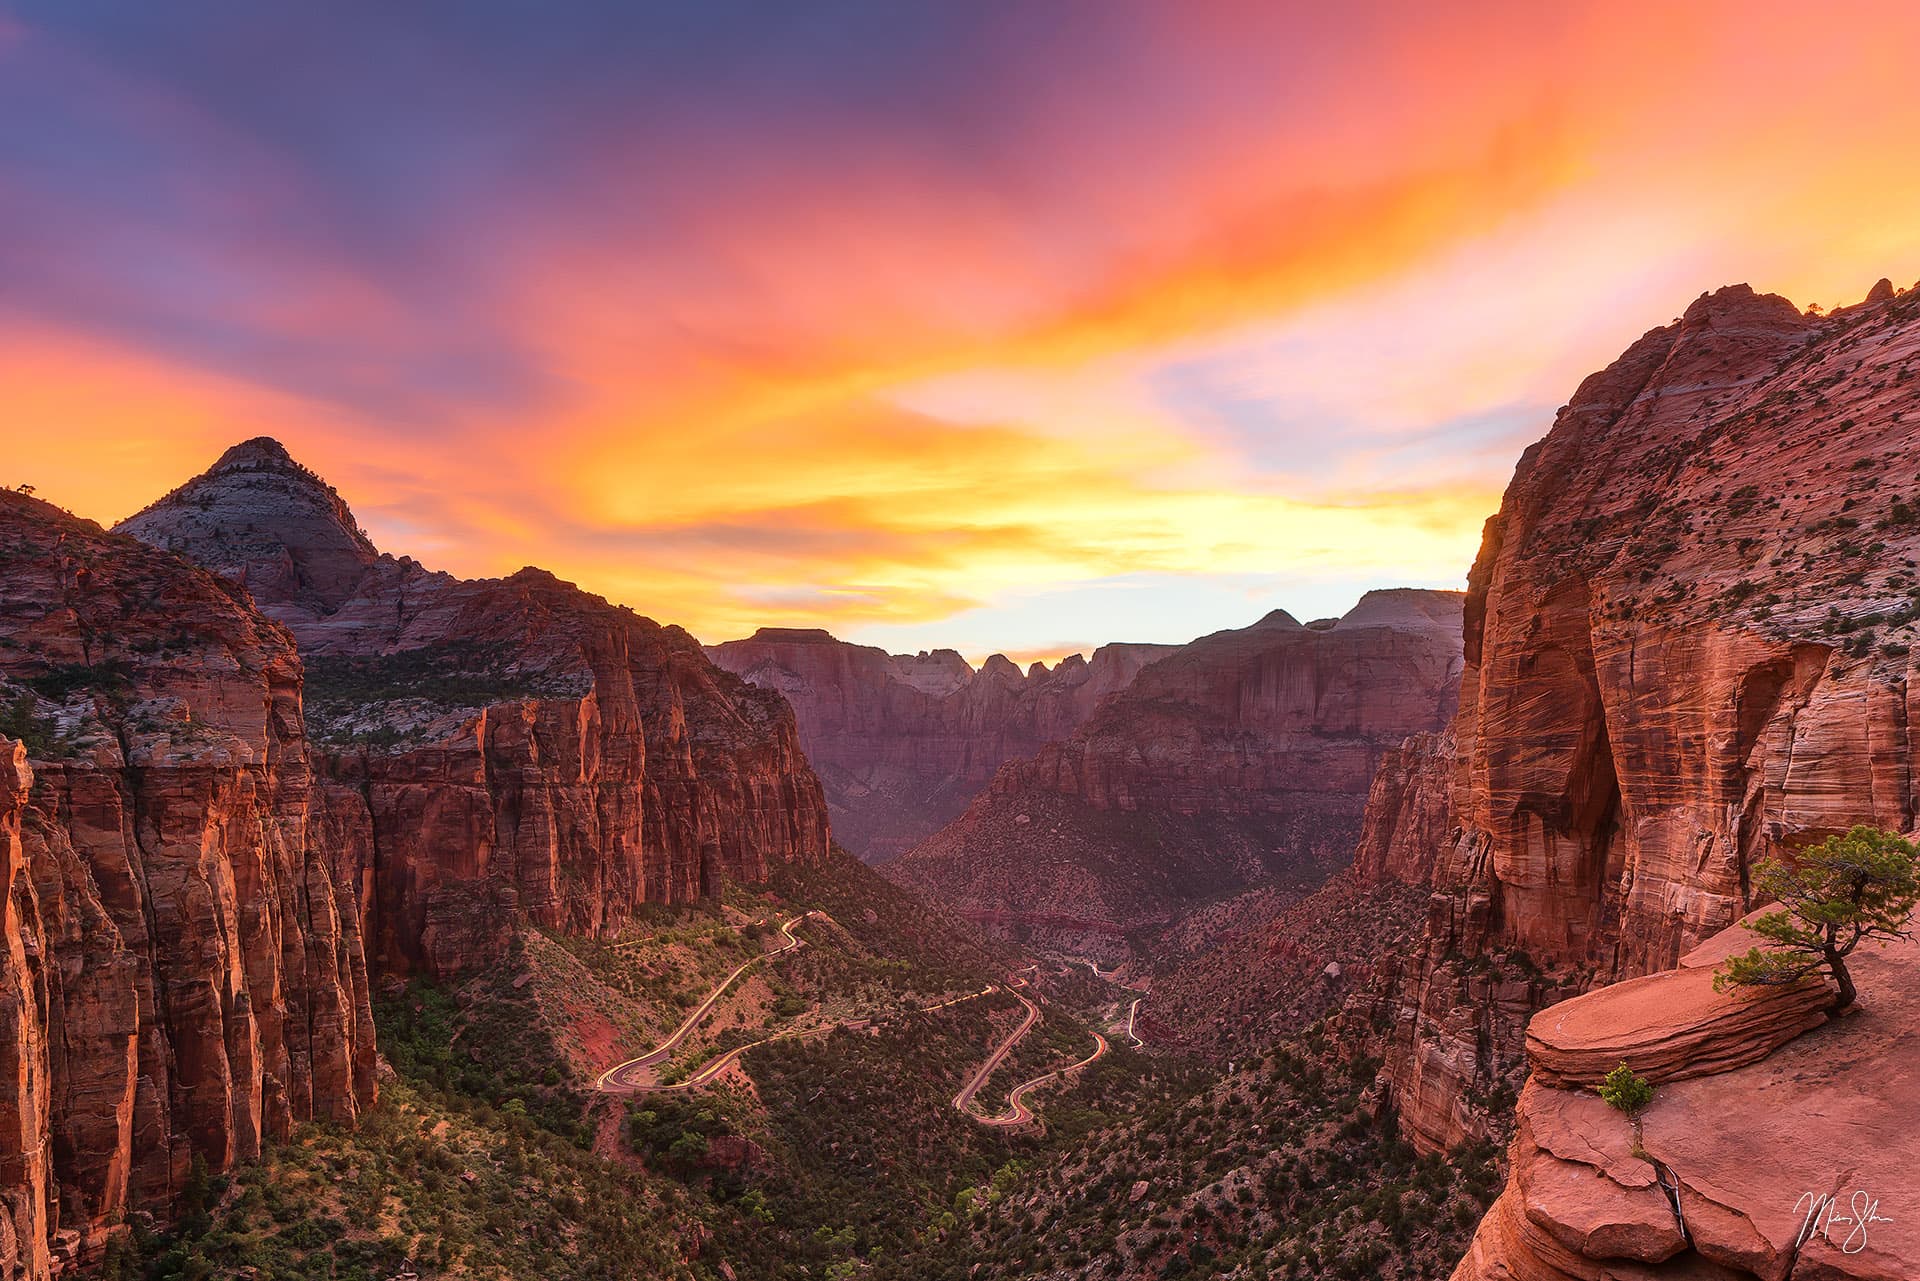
<point x="1279" y="618"/>
<point x="270" y="524"/>
<point x="261" y="451"/>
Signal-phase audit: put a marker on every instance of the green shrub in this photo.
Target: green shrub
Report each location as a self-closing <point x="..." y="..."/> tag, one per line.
<point x="1626" y="1092"/>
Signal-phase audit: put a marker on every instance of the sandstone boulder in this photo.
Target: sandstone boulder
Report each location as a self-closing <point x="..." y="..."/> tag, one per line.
<point x="1793" y="1166"/>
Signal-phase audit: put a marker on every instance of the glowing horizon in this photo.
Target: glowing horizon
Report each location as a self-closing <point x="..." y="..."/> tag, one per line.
<point x="1002" y="330"/>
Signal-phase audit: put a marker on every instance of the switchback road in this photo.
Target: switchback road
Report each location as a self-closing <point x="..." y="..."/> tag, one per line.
<point x="634" y="1074"/>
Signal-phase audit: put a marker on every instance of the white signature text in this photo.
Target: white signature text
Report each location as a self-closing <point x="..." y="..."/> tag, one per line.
<point x="1826" y="1214"/>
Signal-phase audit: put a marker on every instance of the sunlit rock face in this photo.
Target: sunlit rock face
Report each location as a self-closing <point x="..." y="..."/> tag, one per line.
<point x="1245" y="755"/>
<point x="183" y="969"/>
<point x="903" y="741"/>
<point x="498" y="750"/>
<point x="1761" y="1105"/>
<point x="1687" y="647"/>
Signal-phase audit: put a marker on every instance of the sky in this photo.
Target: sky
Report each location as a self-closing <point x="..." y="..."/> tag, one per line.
<point x="981" y="324"/>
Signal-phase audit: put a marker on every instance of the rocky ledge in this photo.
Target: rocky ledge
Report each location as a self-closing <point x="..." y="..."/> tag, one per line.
<point x="1730" y="1174"/>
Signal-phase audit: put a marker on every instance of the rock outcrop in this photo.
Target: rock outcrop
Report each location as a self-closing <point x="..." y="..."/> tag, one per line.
<point x="1727" y="1175"/>
<point x="498" y="750"/>
<point x="902" y="742"/>
<point x="1688" y="646"/>
<point x="1244" y="756"/>
<point x="183" y="967"/>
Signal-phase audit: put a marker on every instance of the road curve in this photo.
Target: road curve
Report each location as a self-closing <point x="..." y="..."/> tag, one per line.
<point x="1133" y="1013"/>
<point x="1018" y="1113"/>
<point x="621" y="1077"/>
<point x="715" y="1066"/>
<point x="963" y="1101"/>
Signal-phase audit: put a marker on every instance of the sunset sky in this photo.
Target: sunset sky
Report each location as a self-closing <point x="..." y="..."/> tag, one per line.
<point x="997" y="325"/>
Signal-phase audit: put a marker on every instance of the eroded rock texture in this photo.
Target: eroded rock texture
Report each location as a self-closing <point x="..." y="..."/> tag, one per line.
<point x="1245" y="755"/>
<point x="498" y="750"/>
<point x="183" y="966"/>
<point x="902" y="742"/>
<point x="1687" y="647"/>
<point x="1721" y="1179"/>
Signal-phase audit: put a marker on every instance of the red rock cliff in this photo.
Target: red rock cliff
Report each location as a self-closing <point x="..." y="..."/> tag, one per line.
<point x="1244" y="755"/>
<point x="1687" y="646"/>
<point x="903" y="742"/>
<point x="500" y="749"/>
<point x="183" y="970"/>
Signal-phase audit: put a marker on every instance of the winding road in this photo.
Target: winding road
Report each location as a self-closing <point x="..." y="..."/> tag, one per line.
<point x="637" y="1076"/>
<point x="1017" y="1113"/>
<point x="963" y="1101"/>
<point x="627" y="1078"/>
<point x="1133" y="1013"/>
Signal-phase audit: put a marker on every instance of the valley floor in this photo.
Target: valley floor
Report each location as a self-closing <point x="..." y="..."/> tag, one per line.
<point x="821" y="1080"/>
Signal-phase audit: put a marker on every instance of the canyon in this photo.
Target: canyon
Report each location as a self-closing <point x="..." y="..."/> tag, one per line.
<point x="1244" y="756"/>
<point x="901" y="742"/>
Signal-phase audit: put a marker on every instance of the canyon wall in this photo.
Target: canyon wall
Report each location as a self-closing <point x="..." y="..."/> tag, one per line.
<point x="183" y="969"/>
<point x="497" y="750"/>
<point x="1688" y="646"/>
<point x="903" y="742"/>
<point x="1243" y="756"/>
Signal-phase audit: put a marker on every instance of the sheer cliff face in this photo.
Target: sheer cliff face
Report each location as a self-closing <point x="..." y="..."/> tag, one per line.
<point x="1687" y="647"/>
<point x="183" y="968"/>
<point x="902" y="742"/>
<point x="498" y="750"/>
<point x="1244" y="755"/>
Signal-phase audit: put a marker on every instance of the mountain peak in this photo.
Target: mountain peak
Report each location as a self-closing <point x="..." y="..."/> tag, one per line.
<point x="258" y="452"/>
<point x="262" y="519"/>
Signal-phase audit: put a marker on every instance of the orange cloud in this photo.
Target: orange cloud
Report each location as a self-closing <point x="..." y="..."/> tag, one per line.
<point x="836" y="372"/>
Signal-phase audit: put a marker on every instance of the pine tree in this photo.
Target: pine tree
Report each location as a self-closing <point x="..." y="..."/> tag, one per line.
<point x="1833" y="897"/>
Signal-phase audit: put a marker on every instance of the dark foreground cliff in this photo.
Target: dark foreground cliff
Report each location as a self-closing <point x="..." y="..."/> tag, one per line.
<point x="1243" y="756"/>
<point x="902" y="742"/>
<point x="498" y="750"/>
<point x="1688" y="646"/>
<point x="183" y="974"/>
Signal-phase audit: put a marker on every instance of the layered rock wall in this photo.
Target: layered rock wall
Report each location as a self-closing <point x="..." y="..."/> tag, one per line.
<point x="1688" y="646"/>
<point x="183" y="970"/>
<point x="1245" y="755"/>
<point x="903" y="742"/>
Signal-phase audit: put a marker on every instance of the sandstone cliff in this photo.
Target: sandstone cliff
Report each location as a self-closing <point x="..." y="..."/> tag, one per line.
<point x="903" y="742"/>
<point x="1687" y="646"/>
<point x="1245" y="755"/>
<point x="1760" y="1106"/>
<point x="502" y="749"/>
<point x="183" y="969"/>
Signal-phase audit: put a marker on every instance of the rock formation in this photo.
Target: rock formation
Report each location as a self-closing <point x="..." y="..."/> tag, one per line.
<point x="903" y="742"/>
<point x="1753" y="1122"/>
<point x="502" y="749"/>
<point x="1688" y="645"/>
<point x="183" y="968"/>
<point x="1245" y="755"/>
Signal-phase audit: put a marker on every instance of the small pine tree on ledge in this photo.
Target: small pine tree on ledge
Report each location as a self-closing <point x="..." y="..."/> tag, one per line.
<point x="1625" y="1091"/>
<point x="1833" y="897"/>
